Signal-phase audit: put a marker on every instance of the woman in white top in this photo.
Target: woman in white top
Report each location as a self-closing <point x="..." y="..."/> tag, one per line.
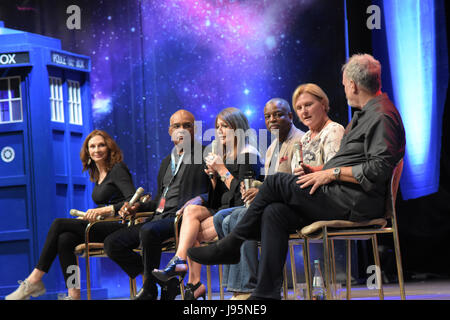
<point x="321" y="142"/>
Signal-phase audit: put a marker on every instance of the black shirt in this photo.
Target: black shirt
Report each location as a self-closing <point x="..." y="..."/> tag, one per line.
<point x="372" y="147"/>
<point x="115" y="189"/>
<point x="222" y="197"/>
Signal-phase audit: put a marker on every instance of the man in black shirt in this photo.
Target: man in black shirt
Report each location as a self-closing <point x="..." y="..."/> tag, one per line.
<point x="351" y="186"/>
<point x="181" y="179"/>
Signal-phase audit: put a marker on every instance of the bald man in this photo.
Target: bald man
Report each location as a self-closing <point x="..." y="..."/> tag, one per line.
<point x="179" y="181"/>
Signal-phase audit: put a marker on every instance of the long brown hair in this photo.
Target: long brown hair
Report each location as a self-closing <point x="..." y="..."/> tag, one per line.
<point x="114" y="154"/>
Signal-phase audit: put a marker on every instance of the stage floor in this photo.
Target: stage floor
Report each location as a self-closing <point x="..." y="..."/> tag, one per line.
<point x="415" y="290"/>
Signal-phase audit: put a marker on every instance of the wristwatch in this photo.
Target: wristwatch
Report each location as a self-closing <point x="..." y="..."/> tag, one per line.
<point x="337" y="173"/>
<point x="226" y="176"/>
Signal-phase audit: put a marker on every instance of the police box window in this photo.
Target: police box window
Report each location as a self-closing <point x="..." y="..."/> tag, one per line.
<point x="56" y="99"/>
<point x="10" y="100"/>
<point x="73" y="88"/>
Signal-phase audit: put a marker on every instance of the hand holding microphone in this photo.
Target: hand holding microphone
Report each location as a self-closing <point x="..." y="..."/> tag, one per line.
<point x="298" y="153"/>
<point x="213" y="152"/>
<point x="125" y="210"/>
<point x="82" y="214"/>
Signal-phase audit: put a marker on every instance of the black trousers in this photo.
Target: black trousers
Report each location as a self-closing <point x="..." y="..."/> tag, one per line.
<point x="62" y="238"/>
<point x="280" y="208"/>
<point x="150" y="235"/>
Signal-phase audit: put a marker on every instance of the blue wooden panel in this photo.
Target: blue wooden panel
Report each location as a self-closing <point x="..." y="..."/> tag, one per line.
<point x="59" y="154"/>
<point x="61" y="209"/>
<point x="11" y="147"/>
<point x="79" y="197"/>
<point x="13" y="201"/>
<point x="14" y="264"/>
<point x="76" y="141"/>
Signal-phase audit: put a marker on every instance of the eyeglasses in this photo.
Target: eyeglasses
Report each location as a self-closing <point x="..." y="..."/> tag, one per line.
<point x="186" y="125"/>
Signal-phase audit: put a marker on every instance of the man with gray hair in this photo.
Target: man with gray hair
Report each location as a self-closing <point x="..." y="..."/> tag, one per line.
<point x="351" y="185"/>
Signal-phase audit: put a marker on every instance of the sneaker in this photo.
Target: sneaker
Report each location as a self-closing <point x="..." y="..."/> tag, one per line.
<point x="26" y="289"/>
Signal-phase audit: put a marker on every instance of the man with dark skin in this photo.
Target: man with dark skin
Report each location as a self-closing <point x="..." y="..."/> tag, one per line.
<point x="180" y="180"/>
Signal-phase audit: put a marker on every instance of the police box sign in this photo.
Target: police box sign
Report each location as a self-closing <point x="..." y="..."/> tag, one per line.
<point x="11" y="58"/>
<point x="69" y="60"/>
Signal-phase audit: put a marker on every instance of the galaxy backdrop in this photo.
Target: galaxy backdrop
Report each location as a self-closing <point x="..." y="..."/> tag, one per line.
<point x="150" y="58"/>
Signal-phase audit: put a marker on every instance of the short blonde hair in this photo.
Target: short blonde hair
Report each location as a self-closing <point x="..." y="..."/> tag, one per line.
<point x="314" y="90"/>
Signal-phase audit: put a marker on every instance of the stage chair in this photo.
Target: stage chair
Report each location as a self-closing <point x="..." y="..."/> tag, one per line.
<point x="89" y="249"/>
<point x="294" y="240"/>
<point x="326" y="231"/>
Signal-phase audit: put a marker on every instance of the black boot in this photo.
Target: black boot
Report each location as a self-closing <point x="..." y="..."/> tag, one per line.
<point x="170" y="289"/>
<point x="144" y="294"/>
<point x="149" y="291"/>
<point x="224" y="251"/>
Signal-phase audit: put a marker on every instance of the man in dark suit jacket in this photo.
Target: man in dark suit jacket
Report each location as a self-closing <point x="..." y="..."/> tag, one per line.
<point x="181" y="180"/>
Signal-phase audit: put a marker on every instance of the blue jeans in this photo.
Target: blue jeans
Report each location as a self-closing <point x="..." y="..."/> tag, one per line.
<point x="239" y="277"/>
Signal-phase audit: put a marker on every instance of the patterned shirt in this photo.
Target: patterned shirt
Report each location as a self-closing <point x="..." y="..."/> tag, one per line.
<point x="322" y="147"/>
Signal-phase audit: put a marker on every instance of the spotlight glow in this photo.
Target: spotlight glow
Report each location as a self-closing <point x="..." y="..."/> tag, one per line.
<point x="410" y="32"/>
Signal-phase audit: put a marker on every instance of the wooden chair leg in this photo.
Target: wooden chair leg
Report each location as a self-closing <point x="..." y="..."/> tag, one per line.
<point x="349" y="269"/>
<point x="208" y="281"/>
<point x="88" y="277"/>
<point x="326" y="259"/>
<point x="293" y="269"/>
<point x="220" y="282"/>
<point x="333" y="269"/>
<point x="398" y="259"/>
<point x="307" y="269"/>
<point x="285" y="284"/>
<point x="376" y="258"/>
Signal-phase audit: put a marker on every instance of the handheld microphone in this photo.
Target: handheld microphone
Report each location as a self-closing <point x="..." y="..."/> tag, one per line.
<point x="248" y="177"/>
<point x="136" y="196"/>
<point x="248" y="181"/>
<point x="213" y="151"/>
<point x="78" y="213"/>
<point x="298" y="153"/>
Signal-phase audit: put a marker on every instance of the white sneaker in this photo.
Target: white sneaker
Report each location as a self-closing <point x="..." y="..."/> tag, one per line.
<point x="26" y="289"/>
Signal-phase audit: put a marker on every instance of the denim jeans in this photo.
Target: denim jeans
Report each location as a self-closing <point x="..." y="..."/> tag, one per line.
<point x="239" y="277"/>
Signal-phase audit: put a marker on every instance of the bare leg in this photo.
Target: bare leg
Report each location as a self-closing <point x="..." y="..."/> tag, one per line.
<point x="35" y="276"/>
<point x="190" y="227"/>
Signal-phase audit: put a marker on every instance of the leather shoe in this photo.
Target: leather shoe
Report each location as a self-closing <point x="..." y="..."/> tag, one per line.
<point x="224" y="251"/>
<point x="170" y="290"/>
<point x="144" y="294"/>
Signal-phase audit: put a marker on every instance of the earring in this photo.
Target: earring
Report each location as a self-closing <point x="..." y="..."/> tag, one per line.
<point x="89" y="161"/>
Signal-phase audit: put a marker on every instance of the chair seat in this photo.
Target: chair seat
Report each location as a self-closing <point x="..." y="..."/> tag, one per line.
<point x="314" y="230"/>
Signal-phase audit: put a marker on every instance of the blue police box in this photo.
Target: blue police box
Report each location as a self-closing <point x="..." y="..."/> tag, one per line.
<point x="45" y="114"/>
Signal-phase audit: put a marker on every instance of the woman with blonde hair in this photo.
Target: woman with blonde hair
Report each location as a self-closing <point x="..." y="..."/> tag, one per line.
<point x="321" y="142"/>
<point x="235" y="158"/>
<point x="102" y="158"/>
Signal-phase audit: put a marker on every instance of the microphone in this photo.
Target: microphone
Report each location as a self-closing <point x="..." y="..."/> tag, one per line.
<point x="78" y="213"/>
<point x="298" y="152"/>
<point x="213" y="151"/>
<point x="248" y="177"/>
<point x="136" y="196"/>
<point x="248" y="181"/>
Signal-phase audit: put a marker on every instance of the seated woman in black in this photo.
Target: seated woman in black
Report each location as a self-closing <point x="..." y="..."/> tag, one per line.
<point x="101" y="156"/>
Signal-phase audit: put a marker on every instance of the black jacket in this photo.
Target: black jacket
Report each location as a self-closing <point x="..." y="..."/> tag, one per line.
<point x="195" y="182"/>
